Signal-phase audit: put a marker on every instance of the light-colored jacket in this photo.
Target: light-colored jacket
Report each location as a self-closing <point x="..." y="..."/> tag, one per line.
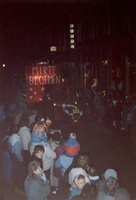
<point x="53" y="180"/>
<point x="25" y="137"/>
<point x="48" y="156"/>
<point x="15" y="147"/>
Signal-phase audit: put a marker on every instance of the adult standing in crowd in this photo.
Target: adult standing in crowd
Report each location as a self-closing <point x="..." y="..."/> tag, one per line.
<point x="25" y="137"/>
<point x="36" y="185"/>
<point x="15" y="149"/>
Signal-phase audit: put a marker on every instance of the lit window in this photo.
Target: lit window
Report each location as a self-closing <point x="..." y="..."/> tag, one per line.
<point x="71" y="41"/>
<point x="72" y="46"/>
<point x="71" y="30"/>
<point x="71" y="35"/>
<point x="71" y="25"/>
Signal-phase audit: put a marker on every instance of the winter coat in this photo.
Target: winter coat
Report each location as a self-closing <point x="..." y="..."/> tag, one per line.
<point x="36" y="188"/>
<point x="47" y="158"/>
<point x="72" y="147"/>
<point x="102" y="196"/>
<point x="25" y="137"/>
<point x="64" y="161"/>
<point x="38" y="136"/>
<point x="75" y="191"/>
<point x="15" y="147"/>
<point x="53" y="180"/>
<point x="57" y="171"/>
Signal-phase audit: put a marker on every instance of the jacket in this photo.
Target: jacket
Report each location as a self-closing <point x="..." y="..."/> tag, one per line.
<point x="72" y="147"/>
<point x="74" y="192"/>
<point x="57" y="171"/>
<point x="64" y="162"/>
<point x="15" y="148"/>
<point x="38" y="136"/>
<point x="25" y="137"/>
<point x="36" y="189"/>
<point x="47" y="158"/>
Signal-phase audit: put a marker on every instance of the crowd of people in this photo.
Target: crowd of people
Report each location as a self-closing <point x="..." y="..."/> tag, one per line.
<point x="38" y="160"/>
<point x="114" y="110"/>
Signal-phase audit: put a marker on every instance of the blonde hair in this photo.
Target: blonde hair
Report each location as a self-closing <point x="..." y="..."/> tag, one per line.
<point x="72" y="135"/>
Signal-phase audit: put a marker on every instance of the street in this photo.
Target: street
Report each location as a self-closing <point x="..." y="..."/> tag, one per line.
<point x="107" y="148"/>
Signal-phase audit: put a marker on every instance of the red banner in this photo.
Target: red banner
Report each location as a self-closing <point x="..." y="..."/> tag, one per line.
<point x="37" y="77"/>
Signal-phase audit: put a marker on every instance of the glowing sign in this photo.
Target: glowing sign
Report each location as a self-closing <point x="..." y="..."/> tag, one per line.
<point x="37" y="77"/>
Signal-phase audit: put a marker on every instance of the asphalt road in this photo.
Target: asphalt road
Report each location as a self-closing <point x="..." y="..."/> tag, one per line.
<point x="107" y="147"/>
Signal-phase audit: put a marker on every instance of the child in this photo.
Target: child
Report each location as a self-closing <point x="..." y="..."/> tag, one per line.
<point x="72" y="146"/>
<point x="38" y="136"/>
<point x="94" y="178"/>
<point x="78" y="184"/>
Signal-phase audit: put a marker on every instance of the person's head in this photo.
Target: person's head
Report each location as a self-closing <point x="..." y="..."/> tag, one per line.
<point x="72" y="135"/>
<point x="16" y="129"/>
<point x="81" y="181"/>
<point x="33" y="169"/>
<point x="56" y="136"/>
<point x="89" y="192"/>
<point x="40" y="124"/>
<point x="39" y="151"/>
<point x="83" y="161"/>
<point x="111" y="182"/>
<point x="24" y="120"/>
<point x="92" y="171"/>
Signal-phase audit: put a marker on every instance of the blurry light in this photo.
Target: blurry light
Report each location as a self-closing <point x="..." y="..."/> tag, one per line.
<point x="71" y="41"/>
<point x="71" y="30"/>
<point x="53" y="48"/>
<point x="71" y="25"/>
<point x="63" y="80"/>
<point x="75" y="102"/>
<point x="3" y="65"/>
<point x="54" y="104"/>
<point x="71" y="35"/>
<point x="72" y="46"/>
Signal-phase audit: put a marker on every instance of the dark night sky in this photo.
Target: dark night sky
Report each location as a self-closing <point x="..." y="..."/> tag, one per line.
<point x="19" y="21"/>
<point x="20" y="18"/>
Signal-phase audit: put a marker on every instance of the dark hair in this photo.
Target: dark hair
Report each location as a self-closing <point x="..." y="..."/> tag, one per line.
<point x="92" y="171"/>
<point x="40" y="124"/>
<point x="56" y="136"/>
<point x="83" y="161"/>
<point x="111" y="184"/>
<point x="89" y="192"/>
<point x="24" y="120"/>
<point x="38" y="148"/>
<point x="38" y="117"/>
<point x="31" y="168"/>
<point x="62" y="141"/>
<point x="16" y="129"/>
<point x="81" y="176"/>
